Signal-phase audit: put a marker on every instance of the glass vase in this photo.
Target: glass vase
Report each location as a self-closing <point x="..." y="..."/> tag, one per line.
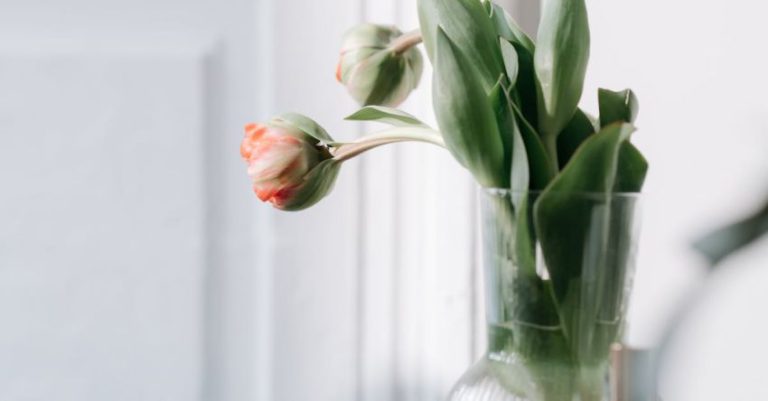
<point x="558" y="272"/>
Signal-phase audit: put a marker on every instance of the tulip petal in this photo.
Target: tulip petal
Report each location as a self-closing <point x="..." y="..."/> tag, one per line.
<point x="253" y="133"/>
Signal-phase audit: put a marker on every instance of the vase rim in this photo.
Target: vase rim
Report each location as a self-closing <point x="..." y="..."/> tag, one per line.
<point x="585" y="194"/>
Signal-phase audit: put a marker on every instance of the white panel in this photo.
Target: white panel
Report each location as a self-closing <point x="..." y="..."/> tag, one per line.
<point x="315" y="334"/>
<point x="101" y="240"/>
<point x="238" y="90"/>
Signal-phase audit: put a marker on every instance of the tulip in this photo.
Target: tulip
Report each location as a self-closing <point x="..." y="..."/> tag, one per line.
<point x="379" y="64"/>
<point x="288" y="167"/>
<point x="293" y="162"/>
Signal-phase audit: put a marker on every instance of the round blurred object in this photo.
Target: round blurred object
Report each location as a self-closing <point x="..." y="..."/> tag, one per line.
<point x="720" y="348"/>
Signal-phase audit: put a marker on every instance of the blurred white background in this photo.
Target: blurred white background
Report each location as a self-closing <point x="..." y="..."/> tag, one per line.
<point x="136" y="265"/>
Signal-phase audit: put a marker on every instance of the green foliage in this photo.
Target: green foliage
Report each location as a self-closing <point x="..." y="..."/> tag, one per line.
<point x="386" y="115"/>
<point x="568" y="226"/>
<point x="617" y="106"/>
<point x="574" y="134"/>
<point x="507" y="28"/>
<point x="541" y="172"/>
<point x="511" y="61"/>
<point x="561" y="57"/>
<point x="467" y="24"/>
<point x="511" y="135"/>
<point x="631" y="171"/>
<point x="465" y="115"/>
<point x="525" y="87"/>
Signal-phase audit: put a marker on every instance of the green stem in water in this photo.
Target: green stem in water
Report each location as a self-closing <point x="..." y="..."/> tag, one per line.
<point x="346" y="151"/>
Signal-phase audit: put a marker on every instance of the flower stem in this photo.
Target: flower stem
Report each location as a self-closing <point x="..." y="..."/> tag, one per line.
<point x="350" y="150"/>
<point x="406" y="41"/>
<point x="550" y="145"/>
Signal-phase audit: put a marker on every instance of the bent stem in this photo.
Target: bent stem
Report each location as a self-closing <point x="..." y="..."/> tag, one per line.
<point x="406" y="41"/>
<point x="350" y="150"/>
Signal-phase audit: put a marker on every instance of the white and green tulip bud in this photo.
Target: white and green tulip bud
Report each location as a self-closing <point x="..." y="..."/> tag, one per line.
<point x="288" y="163"/>
<point x="293" y="162"/>
<point x="379" y="64"/>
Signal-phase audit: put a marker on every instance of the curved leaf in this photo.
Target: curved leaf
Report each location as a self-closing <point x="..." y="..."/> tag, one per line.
<point x="507" y="28"/>
<point x="386" y="115"/>
<point x="617" y="106"/>
<point x="594" y="165"/>
<point x="511" y="61"/>
<point x="574" y="134"/>
<point x="516" y="158"/>
<point x="632" y="169"/>
<point x="561" y="57"/>
<point x="571" y="213"/>
<point x="526" y="84"/>
<point x="540" y="167"/>
<point x="469" y="27"/>
<point x="465" y="115"/>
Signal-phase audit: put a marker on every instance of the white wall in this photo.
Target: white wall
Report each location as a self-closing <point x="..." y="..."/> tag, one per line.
<point x="699" y="70"/>
<point x="127" y="254"/>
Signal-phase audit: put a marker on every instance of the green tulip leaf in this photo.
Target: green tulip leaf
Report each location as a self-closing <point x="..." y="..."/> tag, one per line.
<point x="568" y="218"/>
<point x="467" y="24"/>
<point x="497" y="99"/>
<point x="465" y="115"/>
<point x="507" y="28"/>
<point x="593" y="167"/>
<point x="617" y="106"/>
<point x="728" y="240"/>
<point x="574" y="134"/>
<point x="511" y="61"/>
<point x="386" y="115"/>
<point x="516" y="155"/>
<point x="525" y="87"/>
<point x="540" y="169"/>
<point x="561" y="57"/>
<point x="632" y="169"/>
<point x="308" y="125"/>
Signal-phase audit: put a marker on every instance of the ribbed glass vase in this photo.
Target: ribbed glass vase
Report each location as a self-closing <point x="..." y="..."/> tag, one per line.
<point x="559" y="270"/>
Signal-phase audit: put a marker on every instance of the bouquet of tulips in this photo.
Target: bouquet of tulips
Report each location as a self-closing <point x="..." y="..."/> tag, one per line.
<point x="507" y="108"/>
<point x="508" y="111"/>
